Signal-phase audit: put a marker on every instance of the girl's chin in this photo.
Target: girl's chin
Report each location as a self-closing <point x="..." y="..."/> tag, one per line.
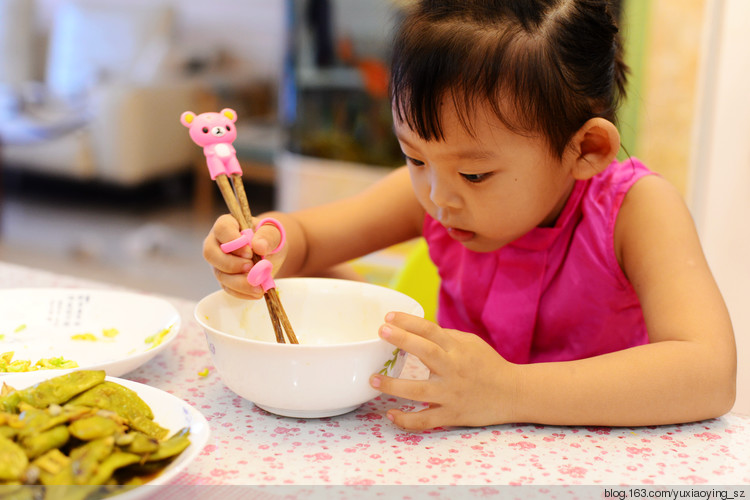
<point x="481" y="245"/>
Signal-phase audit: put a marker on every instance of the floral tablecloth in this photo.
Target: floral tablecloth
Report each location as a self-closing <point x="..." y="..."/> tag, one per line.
<point x="249" y="446"/>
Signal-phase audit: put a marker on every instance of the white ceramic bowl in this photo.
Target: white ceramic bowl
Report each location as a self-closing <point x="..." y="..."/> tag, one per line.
<point x="327" y="373"/>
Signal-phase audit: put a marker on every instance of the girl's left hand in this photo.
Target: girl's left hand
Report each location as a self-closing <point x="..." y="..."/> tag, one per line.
<point x="470" y="384"/>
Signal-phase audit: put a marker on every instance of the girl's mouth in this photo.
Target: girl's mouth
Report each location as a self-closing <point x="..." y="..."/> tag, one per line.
<point x="459" y="234"/>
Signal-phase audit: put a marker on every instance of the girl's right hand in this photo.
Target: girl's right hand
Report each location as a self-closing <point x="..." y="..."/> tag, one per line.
<point x="231" y="269"/>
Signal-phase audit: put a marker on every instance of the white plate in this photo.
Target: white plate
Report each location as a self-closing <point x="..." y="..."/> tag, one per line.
<point x="169" y="411"/>
<point x="40" y="323"/>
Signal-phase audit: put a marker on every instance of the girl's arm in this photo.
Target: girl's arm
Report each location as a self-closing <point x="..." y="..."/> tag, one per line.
<point x="687" y="372"/>
<point x="384" y="214"/>
<point x="321" y="237"/>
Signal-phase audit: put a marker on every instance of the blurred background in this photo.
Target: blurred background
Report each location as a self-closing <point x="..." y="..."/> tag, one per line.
<point x="99" y="179"/>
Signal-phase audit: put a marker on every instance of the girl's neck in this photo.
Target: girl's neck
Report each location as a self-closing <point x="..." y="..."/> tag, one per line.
<point x="551" y="219"/>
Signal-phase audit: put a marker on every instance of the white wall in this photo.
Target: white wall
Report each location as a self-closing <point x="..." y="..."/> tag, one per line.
<point x="250" y="31"/>
<point x="720" y="191"/>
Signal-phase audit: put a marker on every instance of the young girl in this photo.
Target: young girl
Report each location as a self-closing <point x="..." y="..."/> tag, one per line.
<point x="573" y="287"/>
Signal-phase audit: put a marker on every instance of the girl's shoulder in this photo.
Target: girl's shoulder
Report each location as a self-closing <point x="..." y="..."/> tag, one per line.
<point x="649" y="208"/>
<point x="606" y="191"/>
<point x="619" y="177"/>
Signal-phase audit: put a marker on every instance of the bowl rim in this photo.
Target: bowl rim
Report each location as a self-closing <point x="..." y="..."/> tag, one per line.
<point x="264" y="343"/>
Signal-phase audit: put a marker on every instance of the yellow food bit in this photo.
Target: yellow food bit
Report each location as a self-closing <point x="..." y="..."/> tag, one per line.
<point x="203" y="373"/>
<point x="110" y="332"/>
<point x="24" y="365"/>
<point x="20" y="365"/>
<point x="2" y="336"/>
<point x="55" y="363"/>
<point x="20" y="328"/>
<point x="84" y="336"/>
<point x="107" y="333"/>
<point x="158" y="338"/>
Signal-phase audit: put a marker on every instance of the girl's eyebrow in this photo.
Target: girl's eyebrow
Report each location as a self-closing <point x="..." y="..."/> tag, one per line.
<point x="465" y="154"/>
<point x="474" y="154"/>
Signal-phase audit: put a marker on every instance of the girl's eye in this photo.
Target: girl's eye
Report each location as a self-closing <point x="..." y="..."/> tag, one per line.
<point x="476" y="178"/>
<point x="413" y="161"/>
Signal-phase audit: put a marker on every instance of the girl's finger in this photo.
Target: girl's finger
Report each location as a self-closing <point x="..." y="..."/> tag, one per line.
<point x="237" y="285"/>
<point x="422" y="327"/>
<point x="428" y="418"/>
<point x="227" y="263"/>
<point x="227" y="229"/>
<point x="266" y="239"/>
<point x="430" y="353"/>
<point x="415" y="390"/>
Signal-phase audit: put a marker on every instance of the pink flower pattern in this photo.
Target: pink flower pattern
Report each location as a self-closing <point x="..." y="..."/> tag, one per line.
<point x="252" y="447"/>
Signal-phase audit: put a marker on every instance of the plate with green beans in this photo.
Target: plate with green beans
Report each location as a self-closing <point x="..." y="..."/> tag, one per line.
<point x="67" y="328"/>
<point x="86" y="435"/>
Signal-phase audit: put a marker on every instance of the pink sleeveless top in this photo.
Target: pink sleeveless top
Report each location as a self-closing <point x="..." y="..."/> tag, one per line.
<point x="556" y="293"/>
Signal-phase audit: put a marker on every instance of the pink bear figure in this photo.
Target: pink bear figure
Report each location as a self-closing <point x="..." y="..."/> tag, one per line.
<point x="215" y="132"/>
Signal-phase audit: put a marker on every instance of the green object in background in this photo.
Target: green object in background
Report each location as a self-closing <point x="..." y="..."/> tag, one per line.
<point x="634" y="26"/>
<point x="418" y="278"/>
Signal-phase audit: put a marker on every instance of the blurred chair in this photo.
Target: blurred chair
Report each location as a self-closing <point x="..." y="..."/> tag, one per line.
<point x="108" y="105"/>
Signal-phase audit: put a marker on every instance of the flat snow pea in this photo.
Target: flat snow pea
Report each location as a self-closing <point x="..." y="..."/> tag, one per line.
<point x="13" y="460"/>
<point x="57" y="390"/>
<point x="126" y="403"/>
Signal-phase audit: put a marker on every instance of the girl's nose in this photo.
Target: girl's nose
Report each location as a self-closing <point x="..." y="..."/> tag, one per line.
<point x="442" y="193"/>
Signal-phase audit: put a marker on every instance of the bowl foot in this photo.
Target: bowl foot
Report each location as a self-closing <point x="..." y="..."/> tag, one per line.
<point x="307" y="413"/>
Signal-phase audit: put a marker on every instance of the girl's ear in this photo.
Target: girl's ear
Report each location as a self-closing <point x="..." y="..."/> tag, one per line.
<point x="593" y="148"/>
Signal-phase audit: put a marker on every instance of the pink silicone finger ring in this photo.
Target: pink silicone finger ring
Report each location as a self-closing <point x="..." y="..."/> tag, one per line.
<point x="277" y="225"/>
<point x="245" y="239"/>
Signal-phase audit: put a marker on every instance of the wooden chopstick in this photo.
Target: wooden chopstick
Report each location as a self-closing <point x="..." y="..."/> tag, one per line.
<point x="236" y="200"/>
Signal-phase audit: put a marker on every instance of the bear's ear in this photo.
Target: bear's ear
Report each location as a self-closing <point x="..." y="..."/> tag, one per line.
<point x="187" y="118"/>
<point x="229" y="113"/>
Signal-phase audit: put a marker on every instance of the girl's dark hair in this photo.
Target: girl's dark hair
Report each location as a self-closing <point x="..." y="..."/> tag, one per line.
<point x="544" y="66"/>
